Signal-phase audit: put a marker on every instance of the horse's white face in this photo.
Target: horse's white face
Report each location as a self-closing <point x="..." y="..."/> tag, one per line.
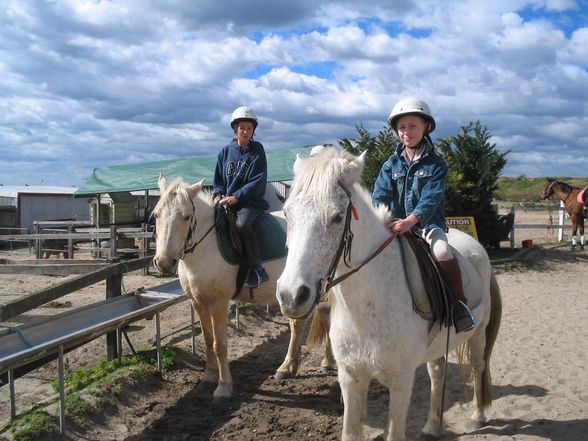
<point x="173" y="221"/>
<point x="312" y="247"/>
<point x="314" y="236"/>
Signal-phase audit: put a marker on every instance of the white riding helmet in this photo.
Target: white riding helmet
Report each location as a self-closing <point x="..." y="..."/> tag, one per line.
<point x="243" y="113"/>
<point x="411" y="106"/>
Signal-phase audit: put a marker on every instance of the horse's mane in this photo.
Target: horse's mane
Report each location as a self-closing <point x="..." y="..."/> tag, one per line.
<point x="178" y="190"/>
<point x="317" y="177"/>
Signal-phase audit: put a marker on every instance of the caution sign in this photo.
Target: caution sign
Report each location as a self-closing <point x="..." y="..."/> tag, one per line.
<point x="465" y="224"/>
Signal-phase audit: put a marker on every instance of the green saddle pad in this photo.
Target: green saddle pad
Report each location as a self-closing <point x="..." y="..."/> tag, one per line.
<point x="270" y="235"/>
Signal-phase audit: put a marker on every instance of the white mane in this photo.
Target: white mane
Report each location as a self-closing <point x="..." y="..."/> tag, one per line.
<point x="318" y="176"/>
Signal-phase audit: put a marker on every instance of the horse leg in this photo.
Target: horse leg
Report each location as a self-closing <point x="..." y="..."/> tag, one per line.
<point x="319" y="333"/>
<point x="574" y="231"/>
<point x="432" y="428"/>
<point x="324" y="310"/>
<point x="481" y="377"/>
<point x="210" y="376"/>
<point x="400" y="392"/>
<point x="220" y="319"/>
<point x="290" y="365"/>
<point x="581" y="225"/>
<point x="354" y="389"/>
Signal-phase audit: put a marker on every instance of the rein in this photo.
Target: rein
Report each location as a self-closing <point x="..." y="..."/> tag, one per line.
<point x="190" y="246"/>
<point x="345" y="251"/>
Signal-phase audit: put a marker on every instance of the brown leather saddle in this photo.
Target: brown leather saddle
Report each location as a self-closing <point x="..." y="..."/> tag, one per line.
<point x="435" y="286"/>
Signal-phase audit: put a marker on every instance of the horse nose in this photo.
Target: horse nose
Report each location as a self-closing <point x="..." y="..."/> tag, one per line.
<point x="296" y="302"/>
<point x="165" y="267"/>
<point x="302" y="296"/>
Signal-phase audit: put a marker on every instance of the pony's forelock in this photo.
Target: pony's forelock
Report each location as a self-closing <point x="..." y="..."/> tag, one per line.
<point x="178" y="190"/>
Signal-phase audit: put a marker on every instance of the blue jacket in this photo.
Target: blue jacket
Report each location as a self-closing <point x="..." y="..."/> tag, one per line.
<point x="242" y="172"/>
<point x="417" y="189"/>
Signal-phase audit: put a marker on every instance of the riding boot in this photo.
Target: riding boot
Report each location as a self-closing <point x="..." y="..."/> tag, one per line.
<point x="463" y="318"/>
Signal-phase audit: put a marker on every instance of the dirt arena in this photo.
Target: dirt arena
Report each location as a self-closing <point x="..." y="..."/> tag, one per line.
<point x="538" y="367"/>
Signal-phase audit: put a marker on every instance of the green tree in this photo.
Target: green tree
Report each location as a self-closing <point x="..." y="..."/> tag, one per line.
<point x="379" y="150"/>
<point x="475" y="166"/>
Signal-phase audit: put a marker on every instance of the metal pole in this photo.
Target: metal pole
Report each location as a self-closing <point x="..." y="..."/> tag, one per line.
<point x="12" y="395"/>
<point x="193" y="330"/>
<point x="61" y="392"/>
<point x="119" y="345"/>
<point x="237" y="314"/>
<point x="158" y="342"/>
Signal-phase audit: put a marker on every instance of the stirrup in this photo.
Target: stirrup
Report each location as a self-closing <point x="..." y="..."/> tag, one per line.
<point x="256" y="277"/>
<point x="466" y="322"/>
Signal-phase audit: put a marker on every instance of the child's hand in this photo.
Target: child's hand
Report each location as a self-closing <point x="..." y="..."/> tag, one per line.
<point x="228" y="200"/>
<point x="401" y="226"/>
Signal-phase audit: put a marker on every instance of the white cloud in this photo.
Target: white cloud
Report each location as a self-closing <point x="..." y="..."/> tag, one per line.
<point x="88" y="83"/>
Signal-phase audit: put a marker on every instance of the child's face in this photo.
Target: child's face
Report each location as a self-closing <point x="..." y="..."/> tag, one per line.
<point x="244" y="132"/>
<point x="411" y="130"/>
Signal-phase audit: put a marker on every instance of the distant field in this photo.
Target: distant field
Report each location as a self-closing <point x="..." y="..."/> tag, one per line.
<point x="524" y="189"/>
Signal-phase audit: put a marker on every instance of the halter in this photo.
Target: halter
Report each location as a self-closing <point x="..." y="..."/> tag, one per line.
<point x="548" y="191"/>
<point x="188" y="245"/>
<point x="345" y="250"/>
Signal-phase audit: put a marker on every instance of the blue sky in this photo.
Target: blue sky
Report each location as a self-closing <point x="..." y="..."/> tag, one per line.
<point x="85" y="84"/>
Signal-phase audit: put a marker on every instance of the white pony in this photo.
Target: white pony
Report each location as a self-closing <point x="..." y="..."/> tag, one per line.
<point x="375" y="332"/>
<point x="186" y="241"/>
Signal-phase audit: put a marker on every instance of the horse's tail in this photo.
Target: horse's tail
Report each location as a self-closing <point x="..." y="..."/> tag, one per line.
<point x="319" y="326"/>
<point x="491" y="333"/>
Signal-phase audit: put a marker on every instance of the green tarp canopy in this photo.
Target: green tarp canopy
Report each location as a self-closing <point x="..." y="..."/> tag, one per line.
<point x="143" y="176"/>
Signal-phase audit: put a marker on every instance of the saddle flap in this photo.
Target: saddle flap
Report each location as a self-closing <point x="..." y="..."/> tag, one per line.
<point x="271" y="236"/>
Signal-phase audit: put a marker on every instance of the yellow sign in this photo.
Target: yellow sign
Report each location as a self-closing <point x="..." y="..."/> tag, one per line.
<point x="467" y="224"/>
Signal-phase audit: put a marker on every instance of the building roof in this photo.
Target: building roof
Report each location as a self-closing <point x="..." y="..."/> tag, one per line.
<point x="144" y="176"/>
<point x="12" y="191"/>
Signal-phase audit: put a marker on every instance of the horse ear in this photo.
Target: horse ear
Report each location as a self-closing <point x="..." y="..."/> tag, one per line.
<point x="195" y="188"/>
<point x="297" y="163"/>
<point x="356" y="169"/>
<point x="161" y="183"/>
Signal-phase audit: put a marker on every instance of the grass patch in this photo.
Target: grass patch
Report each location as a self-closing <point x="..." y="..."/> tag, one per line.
<point x="90" y="390"/>
<point x="34" y="426"/>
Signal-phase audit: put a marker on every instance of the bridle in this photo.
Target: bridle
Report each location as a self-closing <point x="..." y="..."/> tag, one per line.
<point x="189" y="244"/>
<point x="549" y="190"/>
<point x="345" y="250"/>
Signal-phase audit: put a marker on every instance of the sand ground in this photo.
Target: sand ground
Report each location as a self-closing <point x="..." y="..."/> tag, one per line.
<point x="538" y="367"/>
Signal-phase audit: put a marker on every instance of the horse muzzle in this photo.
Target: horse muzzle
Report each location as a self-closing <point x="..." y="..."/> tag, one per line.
<point x="165" y="267"/>
<point x="296" y="302"/>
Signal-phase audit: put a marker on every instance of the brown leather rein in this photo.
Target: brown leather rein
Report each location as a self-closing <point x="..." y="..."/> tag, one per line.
<point x="345" y="250"/>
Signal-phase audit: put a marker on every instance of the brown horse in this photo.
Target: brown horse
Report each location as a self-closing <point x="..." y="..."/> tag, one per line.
<point x="569" y="195"/>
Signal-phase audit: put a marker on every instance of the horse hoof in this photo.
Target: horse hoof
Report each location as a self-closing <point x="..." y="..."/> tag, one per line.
<point x="472" y="425"/>
<point x="221" y="402"/>
<point x="282" y="375"/>
<point x="206" y="388"/>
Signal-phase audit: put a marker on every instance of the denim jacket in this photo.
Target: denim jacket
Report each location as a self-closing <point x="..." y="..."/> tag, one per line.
<point x="418" y="188"/>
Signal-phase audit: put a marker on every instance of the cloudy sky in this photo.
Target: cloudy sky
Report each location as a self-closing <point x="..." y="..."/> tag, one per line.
<point x="85" y="84"/>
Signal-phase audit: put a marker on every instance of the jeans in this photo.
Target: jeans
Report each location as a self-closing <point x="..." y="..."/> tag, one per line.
<point x="246" y="217"/>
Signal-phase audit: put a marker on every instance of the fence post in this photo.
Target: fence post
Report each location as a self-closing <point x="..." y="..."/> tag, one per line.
<point x="562" y="217"/>
<point x="70" y="250"/>
<point x="38" y="242"/>
<point x="113" y="289"/>
<point x="113" y="242"/>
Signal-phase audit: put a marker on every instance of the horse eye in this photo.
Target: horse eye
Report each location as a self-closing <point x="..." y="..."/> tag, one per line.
<point x="337" y="219"/>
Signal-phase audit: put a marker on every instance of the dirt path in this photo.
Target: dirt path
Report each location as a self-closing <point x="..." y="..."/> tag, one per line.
<point x="538" y="367"/>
